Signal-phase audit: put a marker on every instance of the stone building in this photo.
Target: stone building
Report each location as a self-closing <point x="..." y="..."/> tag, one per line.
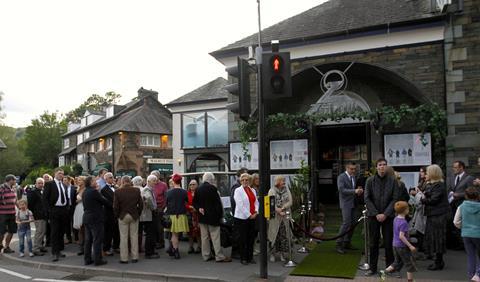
<point x="131" y="139"/>
<point x="366" y="54"/>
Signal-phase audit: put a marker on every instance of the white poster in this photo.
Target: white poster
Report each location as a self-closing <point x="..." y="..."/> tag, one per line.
<point x="240" y="158"/>
<point x="288" y="154"/>
<point x="410" y="179"/>
<point x="408" y="149"/>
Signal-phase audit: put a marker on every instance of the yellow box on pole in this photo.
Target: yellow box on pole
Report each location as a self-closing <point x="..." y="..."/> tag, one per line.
<point x="266" y="206"/>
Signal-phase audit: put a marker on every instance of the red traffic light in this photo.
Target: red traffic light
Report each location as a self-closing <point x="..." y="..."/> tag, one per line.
<point x="277" y="63"/>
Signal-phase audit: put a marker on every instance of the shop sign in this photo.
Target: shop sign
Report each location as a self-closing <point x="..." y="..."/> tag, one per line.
<point x="159" y="161"/>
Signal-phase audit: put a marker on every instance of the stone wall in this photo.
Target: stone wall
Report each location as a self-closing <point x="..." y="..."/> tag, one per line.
<point x="462" y="57"/>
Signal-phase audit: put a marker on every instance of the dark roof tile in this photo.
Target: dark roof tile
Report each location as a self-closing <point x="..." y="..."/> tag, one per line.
<point x="210" y="91"/>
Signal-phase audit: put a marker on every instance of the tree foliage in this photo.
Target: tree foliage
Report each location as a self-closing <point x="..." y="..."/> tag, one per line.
<point x="94" y="103"/>
<point x="12" y="159"/>
<point x="43" y="139"/>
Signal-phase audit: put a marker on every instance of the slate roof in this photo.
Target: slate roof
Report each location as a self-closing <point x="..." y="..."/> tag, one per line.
<point x="210" y="91"/>
<point x="149" y="116"/>
<point x="67" y="151"/>
<point x="338" y="17"/>
<point x="2" y="145"/>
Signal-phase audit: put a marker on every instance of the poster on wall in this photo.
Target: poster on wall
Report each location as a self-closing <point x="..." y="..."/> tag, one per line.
<point x="408" y="149"/>
<point x="240" y="158"/>
<point x="288" y="154"/>
<point x="410" y="179"/>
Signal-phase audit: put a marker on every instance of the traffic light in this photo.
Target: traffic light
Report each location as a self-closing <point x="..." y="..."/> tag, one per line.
<point x="241" y="88"/>
<point x="276" y="75"/>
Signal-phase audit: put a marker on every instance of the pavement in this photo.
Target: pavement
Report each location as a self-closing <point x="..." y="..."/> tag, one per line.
<point x="191" y="267"/>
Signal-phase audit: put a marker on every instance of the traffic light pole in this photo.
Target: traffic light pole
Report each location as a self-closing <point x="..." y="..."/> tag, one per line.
<point x="262" y="156"/>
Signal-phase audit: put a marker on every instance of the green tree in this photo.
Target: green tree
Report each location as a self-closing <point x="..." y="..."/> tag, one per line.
<point x="12" y="159"/>
<point x="43" y="139"/>
<point x="95" y="103"/>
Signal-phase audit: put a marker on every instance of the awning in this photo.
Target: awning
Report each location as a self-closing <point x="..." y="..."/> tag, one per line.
<point x="67" y="151"/>
<point x="165" y="168"/>
<point x="98" y="167"/>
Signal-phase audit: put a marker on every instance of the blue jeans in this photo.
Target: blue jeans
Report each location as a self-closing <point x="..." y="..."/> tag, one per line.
<point x="472" y="247"/>
<point x="22" y="235"/>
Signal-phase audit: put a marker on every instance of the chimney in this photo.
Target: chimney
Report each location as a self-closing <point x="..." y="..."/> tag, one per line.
<point x="142" y="93"/>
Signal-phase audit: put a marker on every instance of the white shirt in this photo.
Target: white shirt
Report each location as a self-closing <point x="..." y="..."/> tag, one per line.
<point x="60" y="190"/>
<point x="459" y="177"/>
<point x="242" y="203"/>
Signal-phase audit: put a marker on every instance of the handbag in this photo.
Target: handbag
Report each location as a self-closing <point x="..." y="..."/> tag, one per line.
<point x="166" y="221"/>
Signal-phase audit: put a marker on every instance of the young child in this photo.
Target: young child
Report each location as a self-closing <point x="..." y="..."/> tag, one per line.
<point x="402" y="248"/>
<point x="23" y="218"/>
<point x="317" y="229"/>
<point x="467" y="218"/>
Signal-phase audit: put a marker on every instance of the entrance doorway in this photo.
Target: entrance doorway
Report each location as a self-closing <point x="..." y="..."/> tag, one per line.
<point x="336" y="146"/>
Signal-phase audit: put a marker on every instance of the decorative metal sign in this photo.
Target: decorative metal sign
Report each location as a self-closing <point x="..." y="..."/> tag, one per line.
<point x="336" y="98"/>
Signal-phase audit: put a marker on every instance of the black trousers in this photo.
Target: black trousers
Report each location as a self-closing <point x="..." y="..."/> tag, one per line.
<point x="150" y="229"/>
<point x="112" y="233"/>
<point x="246" y="230"/>
<point x="386" y="228"/>
<point x="69" y="225"/>
<point x="93" y="238"/>
<point x="58" y="221"/>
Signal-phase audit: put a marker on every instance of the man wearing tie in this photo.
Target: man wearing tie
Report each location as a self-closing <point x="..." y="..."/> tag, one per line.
<point x="346" y="183"/>
<point x="457" y="186"/>
<point x="111" y="231"/>
<point x="55" y="197"/>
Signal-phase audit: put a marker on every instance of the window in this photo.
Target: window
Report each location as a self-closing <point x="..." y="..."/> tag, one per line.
<point x="109" y="143"/>
<point x="61" y="161"/>
<point x="217" y="128"/>
<point x="86" y="135"/>
<point x="110" y="112"/>
<point x="80" y="158"/>
<point x="101" y="144"/>
<point x="91" y="147"/>
<point x="193" y="131"/>
<point x="166" y="141"/>
<point x="150" y="140"/>
<point x="66" y="143"/>
<point x="79" y="139"/>
<point x="83" y="122"/>
<point x="195" y="125"/>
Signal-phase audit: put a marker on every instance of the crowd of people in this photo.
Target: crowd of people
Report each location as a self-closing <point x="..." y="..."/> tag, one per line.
<point x="106" y="215"/>
<point x="437" y="214"/>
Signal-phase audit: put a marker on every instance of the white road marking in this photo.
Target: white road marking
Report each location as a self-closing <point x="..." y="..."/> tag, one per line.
<point x="59" y="280"/>
<point x="13" y="273"/>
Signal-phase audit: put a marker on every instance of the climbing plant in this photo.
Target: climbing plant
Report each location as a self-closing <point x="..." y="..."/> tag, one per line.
<point x="424" y="118"/>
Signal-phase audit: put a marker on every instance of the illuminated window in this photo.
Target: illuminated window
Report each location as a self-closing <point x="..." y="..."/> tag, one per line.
<point x="166" y="141"/>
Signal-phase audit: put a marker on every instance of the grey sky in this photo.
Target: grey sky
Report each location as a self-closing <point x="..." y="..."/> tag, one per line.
<point x="54" y="54"/>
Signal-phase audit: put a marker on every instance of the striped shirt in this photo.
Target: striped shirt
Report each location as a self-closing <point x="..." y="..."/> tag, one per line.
<point x="8" y="198"/>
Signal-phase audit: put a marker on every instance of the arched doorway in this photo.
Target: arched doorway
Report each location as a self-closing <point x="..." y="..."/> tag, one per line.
<point x="343" y="87"/>
<point x="211" y="162"/>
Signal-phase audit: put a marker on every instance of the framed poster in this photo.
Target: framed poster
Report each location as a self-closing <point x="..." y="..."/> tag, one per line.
<point x="408" y="149"/>
<point x="239" y="158"/>
<point x="288" y="154"/>
<point x="410" y="178"/>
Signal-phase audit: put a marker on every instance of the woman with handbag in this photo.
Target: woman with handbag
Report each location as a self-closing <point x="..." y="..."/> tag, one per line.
<point x="194" y="233"/>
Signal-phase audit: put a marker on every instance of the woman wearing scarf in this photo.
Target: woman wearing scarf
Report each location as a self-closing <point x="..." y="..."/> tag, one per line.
<point x="246" y="210"/>
<point x="277" y="226"/>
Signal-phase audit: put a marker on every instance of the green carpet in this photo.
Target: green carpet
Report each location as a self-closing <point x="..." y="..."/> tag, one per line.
<point x="324" y="261"/>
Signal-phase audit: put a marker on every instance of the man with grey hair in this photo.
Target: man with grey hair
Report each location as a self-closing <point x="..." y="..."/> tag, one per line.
<point x="110" y="224"/>
<point x="160" y="191"/>
<point x="209" y="206"/>
<point x="37" y="206"/>
<point x="148" y="217"/>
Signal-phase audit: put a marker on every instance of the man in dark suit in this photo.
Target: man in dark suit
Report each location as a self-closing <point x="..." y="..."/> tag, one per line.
<point x="93" y="219"/>
<point x="111" y="224"/>
<point x="346" y="184"/>
<point x="209" y="205"/>
<point x="55" y="198"/>
<point x="37" y="206"/>
<point x="381" y="193"/>
<point x="456" y="187"/>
